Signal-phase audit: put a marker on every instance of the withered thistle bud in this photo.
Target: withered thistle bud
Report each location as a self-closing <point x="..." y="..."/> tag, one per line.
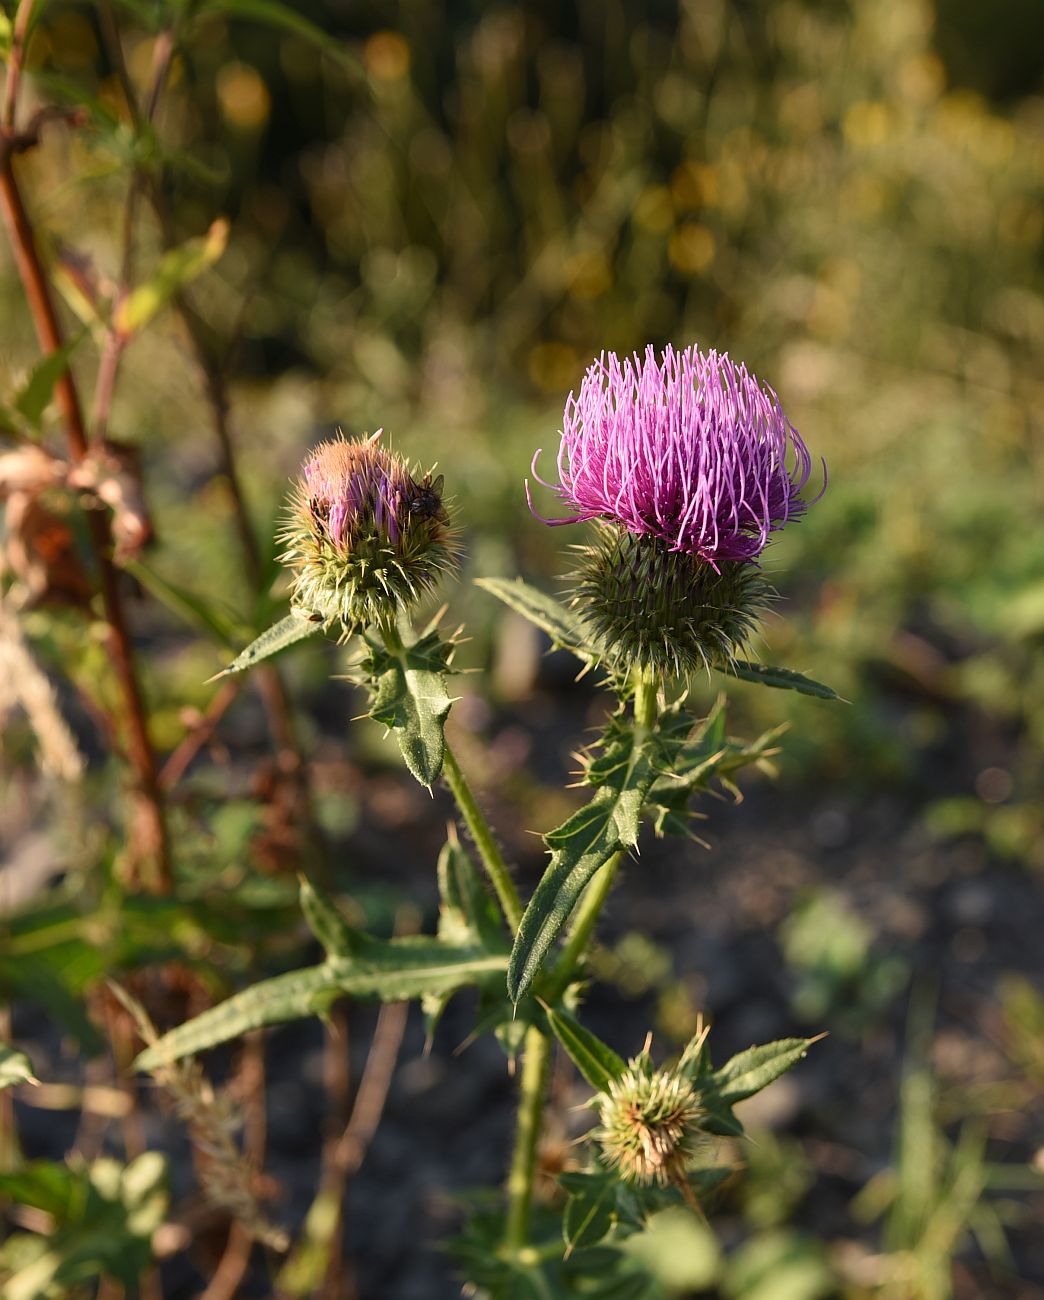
<point x="366" y="536"/>
<point x="649" y="1124"/>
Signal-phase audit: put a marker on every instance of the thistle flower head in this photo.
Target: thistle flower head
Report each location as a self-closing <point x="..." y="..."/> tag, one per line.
<point x="690" y="450"/>
<point x="689" y="465"/>
<point x="366" y="536"/>
<point x="649" y="1124"/>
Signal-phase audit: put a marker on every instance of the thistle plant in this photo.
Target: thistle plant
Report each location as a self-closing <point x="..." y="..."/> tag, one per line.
<point x="684" y="466"/>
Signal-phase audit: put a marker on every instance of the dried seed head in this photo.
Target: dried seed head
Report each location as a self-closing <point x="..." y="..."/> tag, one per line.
<point x="670" y="612"/>
<point x="649" y="1124"/>
<point x="366" y="536"/>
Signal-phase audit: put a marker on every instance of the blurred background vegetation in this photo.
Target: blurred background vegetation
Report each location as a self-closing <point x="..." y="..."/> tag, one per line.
<point x="438" y="213"/>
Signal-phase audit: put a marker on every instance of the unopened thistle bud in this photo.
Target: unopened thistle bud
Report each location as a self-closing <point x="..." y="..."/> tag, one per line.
<point x="692" y="464"/>
<point x="649" y="1125"/>
<point x="366" y="537"/>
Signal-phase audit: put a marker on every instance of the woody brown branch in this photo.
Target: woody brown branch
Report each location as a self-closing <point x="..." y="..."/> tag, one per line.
<point x="148" y="821"/>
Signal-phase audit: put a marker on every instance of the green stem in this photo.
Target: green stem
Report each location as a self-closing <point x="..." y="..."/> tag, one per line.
<point x="535" y="1062"/>
<point x="474" y="818"/>
<point x="537" y="1047"/>
<point x="590" y="907"/>
<point x="645" y="703"/>
<point x="489" y="850"/>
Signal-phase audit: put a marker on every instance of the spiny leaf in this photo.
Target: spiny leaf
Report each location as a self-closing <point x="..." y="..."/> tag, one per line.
<point x="409" y="696"/>
<point x="393" y="970"/>
<point x="754" y="1069"/>
<point x="278" y="637"/>
<point x="564" y="628"/>
<point x="175" y="270"/>
<point x="781" y="678"/>
<point x="624" y="771"/>
<point x="595" y="1060"/>
<point x="696" y="762"/>
<point x="15" y="1067"/>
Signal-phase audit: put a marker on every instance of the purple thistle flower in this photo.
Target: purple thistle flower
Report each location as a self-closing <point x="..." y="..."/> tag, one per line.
<point x="690" y="449"/>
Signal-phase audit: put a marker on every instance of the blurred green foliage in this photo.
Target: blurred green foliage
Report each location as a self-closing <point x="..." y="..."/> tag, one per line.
<point x="840" y="981"/>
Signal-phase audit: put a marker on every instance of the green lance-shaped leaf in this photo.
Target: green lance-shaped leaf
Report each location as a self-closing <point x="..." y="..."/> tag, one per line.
<point x="624" y="772"/>
<point x="564" y="628"/>
<point x="743" y="1076"/>
<point x="595" y="1060"/>
<point x="408" y="695"/>
<point x="327" y="923"/>
<point x="287" y="18"/>
<point x="590" y="1209"/>
<point x="15" y="1067"/>
<point x="781" y="678"/>
<point x="36" y="393"/>
<point x="695" y="762"/>
<point x="754" y="1069"/>
<point x="205" y="615"/>
<point x="287" y="632"/>
<point x="393" y="970"/>
<point x="467" y="913"/>
<point x="175" y="270"/>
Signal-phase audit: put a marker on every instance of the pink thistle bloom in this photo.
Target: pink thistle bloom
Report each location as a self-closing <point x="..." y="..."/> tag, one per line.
<point x="691" y="449"/>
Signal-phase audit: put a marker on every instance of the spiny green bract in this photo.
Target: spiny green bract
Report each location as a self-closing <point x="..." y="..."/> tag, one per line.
<point x="365" y="537"/>
<point x="665" y="610"/>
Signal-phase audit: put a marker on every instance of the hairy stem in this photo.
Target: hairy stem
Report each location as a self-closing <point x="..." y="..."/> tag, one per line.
<point x="535" y="1062"/>
<point x="590" y="906"/>
<point x="489" y="850"/>
<point x="537" y="1047"/>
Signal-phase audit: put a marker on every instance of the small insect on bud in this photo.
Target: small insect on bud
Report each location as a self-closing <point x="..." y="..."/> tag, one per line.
<point x="366" y="536"/>
<point x="649" y="1125"/>
<point x="692" y="465"/>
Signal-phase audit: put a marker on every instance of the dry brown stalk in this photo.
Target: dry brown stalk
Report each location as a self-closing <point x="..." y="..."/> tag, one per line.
<point x="23" y="682"/>
<point x="148" y="820"/>
<point x="251" y="1083"/>
<point x="227" y="1175"/>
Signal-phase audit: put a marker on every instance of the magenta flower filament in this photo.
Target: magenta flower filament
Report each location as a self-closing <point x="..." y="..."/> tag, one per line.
<point x="689" y="448"/>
